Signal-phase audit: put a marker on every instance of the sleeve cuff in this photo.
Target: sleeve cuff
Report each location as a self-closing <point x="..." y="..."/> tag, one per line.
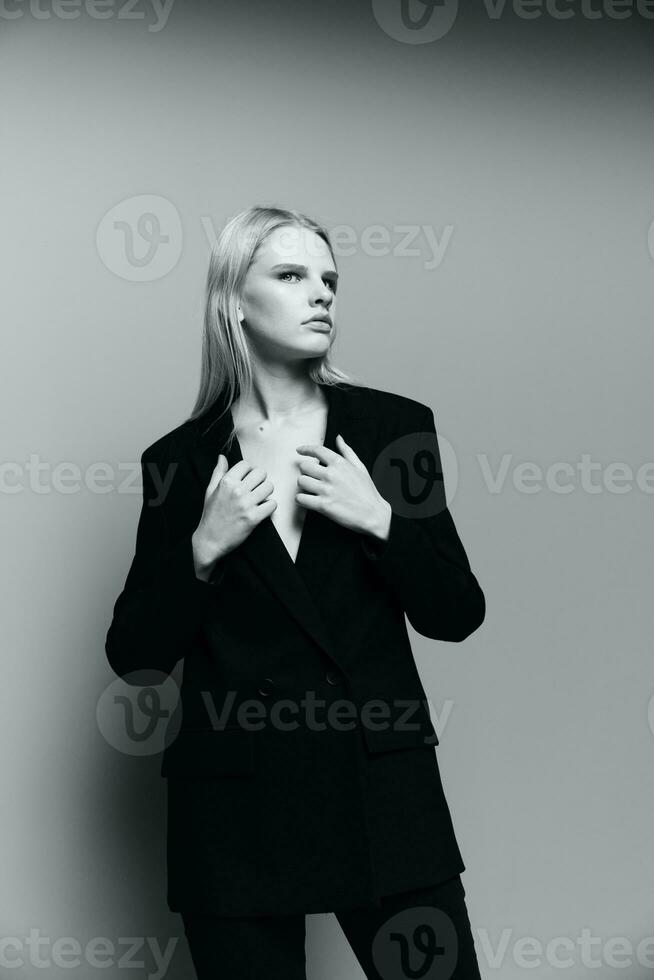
<point x="177" y="572"/>
<point x="377" y="548"/>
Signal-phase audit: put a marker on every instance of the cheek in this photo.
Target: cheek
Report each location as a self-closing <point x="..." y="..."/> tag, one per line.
<point x="275" y="316"/>
<point x="284" y="307"/>
<point x="277" y="304"/>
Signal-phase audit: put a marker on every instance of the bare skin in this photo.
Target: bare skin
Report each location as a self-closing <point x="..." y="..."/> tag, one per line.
<point x="272" y="448"/>
<point x="285" y="468"/>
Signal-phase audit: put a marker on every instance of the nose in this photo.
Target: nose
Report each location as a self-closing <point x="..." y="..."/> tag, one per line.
<point x="322" y="293"/>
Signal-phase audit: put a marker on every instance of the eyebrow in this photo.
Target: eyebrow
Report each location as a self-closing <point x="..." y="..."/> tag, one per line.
<point x="293" y="267"/>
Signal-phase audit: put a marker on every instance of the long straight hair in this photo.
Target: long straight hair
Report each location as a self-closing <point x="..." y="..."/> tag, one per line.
<point x="226" y="370"/>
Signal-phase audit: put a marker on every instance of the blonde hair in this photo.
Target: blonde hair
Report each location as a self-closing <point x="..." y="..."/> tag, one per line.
<point x="226" y="370"/>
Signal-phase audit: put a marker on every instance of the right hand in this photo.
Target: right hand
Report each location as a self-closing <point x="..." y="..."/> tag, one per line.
<point x="235" y="501"/>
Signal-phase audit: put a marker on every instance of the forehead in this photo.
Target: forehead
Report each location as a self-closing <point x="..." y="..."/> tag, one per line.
<point x="293" y="244"/>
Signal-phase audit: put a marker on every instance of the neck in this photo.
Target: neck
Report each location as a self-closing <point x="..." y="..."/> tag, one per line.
<point x="278" y="397"/>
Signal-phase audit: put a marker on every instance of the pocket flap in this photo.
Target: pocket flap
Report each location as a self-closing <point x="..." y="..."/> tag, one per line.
<point x="398" y="737"/>
<point x="204" y="754"/>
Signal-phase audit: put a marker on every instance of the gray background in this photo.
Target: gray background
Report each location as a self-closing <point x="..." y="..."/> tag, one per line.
<point x="530" y="139"/>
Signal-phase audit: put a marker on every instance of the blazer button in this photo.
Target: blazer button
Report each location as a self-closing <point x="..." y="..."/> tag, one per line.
<point x="267" y="687"/>
<point x="334" y="677"/>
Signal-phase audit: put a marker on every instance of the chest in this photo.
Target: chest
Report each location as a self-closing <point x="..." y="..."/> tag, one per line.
<point x="274" y="449"/>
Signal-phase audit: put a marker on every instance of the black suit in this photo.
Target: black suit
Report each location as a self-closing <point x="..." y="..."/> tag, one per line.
<point x="313" y="818"/>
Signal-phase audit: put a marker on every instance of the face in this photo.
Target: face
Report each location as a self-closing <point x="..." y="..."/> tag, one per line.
<point x="291" y="280"/>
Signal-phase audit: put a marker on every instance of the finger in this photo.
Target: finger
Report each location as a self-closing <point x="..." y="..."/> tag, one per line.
<point x="241" y="469"/>
<point x="348" y="453"/>
<point x="219" y="471"/>
<point x="321" y="453"/>
<point x="309" y="483"/>
<point x="312" y="467"/>
<point x="263" y="491"/>
<point x="252" y="479"/>
<point x="309" y="500"/>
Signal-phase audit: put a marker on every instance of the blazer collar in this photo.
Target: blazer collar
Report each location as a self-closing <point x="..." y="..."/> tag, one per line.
<point x="323" y="542"/>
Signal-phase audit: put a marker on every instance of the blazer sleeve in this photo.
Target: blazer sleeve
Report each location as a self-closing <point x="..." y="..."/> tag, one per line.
<point x="424" y="564"/>
<point x="163" y="603"/>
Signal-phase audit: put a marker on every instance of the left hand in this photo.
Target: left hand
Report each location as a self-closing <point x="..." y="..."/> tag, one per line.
<point x="340" y="487"/>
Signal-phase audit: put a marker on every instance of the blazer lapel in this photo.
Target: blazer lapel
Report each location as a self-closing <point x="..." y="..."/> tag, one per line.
<point x="323" y="541"/>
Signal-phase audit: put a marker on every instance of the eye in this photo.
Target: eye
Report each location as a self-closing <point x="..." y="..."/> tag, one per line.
<point x="328" y="280"/>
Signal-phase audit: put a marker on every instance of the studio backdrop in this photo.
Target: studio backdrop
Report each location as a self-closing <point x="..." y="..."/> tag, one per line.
<point x="485" y="172"/>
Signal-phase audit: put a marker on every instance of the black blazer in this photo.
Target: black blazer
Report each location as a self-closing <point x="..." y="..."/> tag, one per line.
<point x="289" y="807"/>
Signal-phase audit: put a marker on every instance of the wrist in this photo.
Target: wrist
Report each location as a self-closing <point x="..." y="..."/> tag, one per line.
<point x="379" y="525"/>
<point x="204" y="557"/>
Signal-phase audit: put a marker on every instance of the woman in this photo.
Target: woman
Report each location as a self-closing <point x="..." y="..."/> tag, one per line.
<point x="303" y="778"/>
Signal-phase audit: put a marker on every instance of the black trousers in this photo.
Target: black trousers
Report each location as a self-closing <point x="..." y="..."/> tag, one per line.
<point x="423" y="934"/>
